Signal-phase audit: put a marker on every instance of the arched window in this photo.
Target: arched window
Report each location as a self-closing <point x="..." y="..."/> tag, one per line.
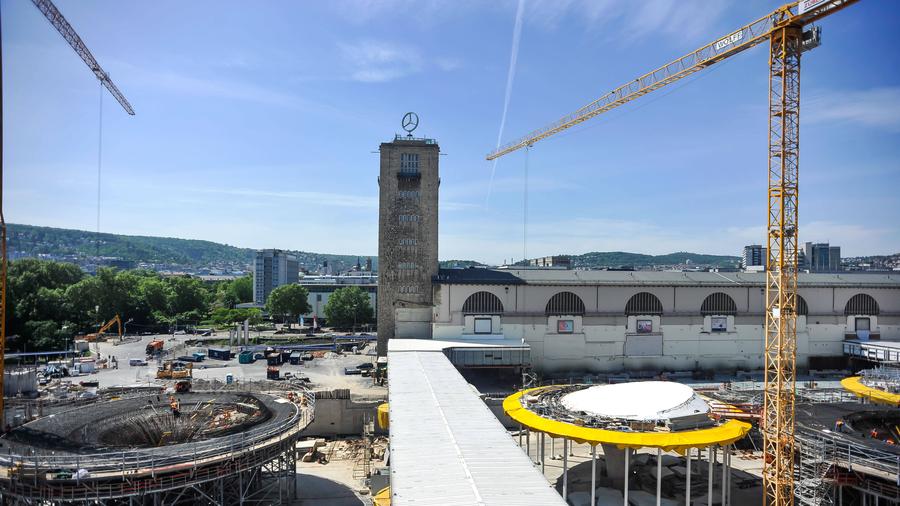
<point x="643" y="303"/>
<point x="483" y="303"/>
<point x="718" y="303"/>
<point x="564" y="303"/>
<point x="802" y="309"/>
<point x="861" y="303"/>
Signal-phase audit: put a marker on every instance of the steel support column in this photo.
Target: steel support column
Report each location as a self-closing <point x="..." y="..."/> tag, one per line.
<point x="658" y="476"/>
<point x="593" y="474"/>
<point x="709" y="486"/>
<point x="565" y="487"/>
<point x="687" y="478"/>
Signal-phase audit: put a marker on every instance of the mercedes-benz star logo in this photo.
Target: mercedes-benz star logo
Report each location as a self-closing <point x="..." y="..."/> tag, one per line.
<point x="410" y="122"/>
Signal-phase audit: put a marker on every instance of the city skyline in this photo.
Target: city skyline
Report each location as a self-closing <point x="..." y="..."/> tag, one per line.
<point x="258" y="132"/>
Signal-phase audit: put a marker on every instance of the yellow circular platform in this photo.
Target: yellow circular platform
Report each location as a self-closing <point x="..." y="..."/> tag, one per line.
<point x="383" y="415"/>
<point x="855" y="385"/>
<point x="383" y="497"/>
<point x="722" y="435"/>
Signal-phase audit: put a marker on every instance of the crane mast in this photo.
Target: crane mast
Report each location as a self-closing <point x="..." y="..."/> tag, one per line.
<point x="784" y="30"/>
<point x="777" y="423"/>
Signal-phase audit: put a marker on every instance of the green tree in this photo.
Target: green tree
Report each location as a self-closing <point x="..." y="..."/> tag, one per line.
<point x="189" y="296"/>
<point x="348" y="306"/>
<point x="33" y="289"/>
<point x="155" y="294"/>
<point x="288" y="301"/>
<point x="242" y="288"/>
<point x="232" y="293"/>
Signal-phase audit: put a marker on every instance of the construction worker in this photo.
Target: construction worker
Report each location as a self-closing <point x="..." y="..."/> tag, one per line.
<point x="173" y="404"/>
<point x="839" y="425"/>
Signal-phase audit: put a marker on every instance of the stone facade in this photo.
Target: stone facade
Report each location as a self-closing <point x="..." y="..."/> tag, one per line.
<point x="407" y="238"/>
<point x="603" y="336"/>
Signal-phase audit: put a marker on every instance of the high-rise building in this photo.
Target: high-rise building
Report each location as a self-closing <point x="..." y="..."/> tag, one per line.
<point x="822" y="257"/>
<point x="754" y="257"/>
<point x="272" y="269"/>
<point x="407" y="238"/>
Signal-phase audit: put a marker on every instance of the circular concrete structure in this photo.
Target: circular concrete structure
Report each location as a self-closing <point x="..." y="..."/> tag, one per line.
<point x="880" y="385"/>
<point x="638" y="401"/>
<point x="623" y="418"/>
<point x="602" y="415"/>
<point x="141" y="446"/>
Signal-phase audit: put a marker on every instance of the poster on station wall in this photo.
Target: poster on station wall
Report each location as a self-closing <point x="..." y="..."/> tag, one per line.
<point x="718" y="323"/>
<point x="644" y="326"/>
<point x="565" y="326"/>
<point x="483" y="326"/>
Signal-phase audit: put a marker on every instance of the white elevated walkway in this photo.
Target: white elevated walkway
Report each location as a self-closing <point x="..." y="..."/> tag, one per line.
<point x="447" y="448"/>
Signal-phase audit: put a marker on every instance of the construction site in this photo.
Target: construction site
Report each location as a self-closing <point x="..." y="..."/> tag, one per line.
<point x="522" y="384"/>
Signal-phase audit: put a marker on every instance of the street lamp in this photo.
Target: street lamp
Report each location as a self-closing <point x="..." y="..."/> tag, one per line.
<point x="125" y="329"/>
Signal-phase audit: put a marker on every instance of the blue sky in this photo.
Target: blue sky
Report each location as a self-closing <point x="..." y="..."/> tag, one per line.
<point x="256" y="124"/>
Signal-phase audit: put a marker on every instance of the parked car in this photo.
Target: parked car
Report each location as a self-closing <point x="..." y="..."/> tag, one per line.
<point x="366" y="365"/>
<point x="349" y="371"/>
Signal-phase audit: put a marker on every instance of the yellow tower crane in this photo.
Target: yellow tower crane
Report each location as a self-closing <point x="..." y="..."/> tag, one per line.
<point x="784" y="30"/>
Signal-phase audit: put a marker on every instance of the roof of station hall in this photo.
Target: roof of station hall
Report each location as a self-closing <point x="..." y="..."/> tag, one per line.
<point x="481" y="276"/>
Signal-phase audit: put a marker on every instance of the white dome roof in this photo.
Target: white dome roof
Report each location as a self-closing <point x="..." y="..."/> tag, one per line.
<point x="639" y="401"/>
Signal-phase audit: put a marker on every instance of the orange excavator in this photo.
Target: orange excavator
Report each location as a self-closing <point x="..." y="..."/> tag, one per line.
<point x="98" y="336"/>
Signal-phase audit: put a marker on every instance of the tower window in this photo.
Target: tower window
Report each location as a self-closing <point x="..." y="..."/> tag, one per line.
<point x="409" y="163"/>
<point x="409" y="218"/>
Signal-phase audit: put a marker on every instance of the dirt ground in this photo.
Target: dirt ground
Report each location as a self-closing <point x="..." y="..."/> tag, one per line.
<point x="341" y="481"/>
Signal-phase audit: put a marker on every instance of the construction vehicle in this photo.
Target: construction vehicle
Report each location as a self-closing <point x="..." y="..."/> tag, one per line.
<point x="788" y="34"/>
<point x="155" y="346"/>
<point x="183" y="386"/>
<point x="379" y="374"/>
<point x="272" y="373"/>
<point x="98" y="336"/>
<point x="173" y="369"/>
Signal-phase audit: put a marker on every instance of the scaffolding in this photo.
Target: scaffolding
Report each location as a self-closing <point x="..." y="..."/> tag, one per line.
<point x="829" y="462"/>
<point x="256" y="466"/>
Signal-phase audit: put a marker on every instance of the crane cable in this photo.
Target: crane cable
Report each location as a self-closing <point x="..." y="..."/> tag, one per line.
<point x="525" y="209"/>
<point x="3" y="254"/>
<point x="99" y="166"/>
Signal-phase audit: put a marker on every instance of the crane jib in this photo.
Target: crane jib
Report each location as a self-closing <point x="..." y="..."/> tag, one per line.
<point x="740" y="40"/>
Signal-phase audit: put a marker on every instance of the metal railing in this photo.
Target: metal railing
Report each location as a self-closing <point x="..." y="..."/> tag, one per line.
<point x="162" y="459"/>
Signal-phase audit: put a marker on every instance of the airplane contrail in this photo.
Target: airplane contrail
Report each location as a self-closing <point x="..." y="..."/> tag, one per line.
<point x="514" y="55"/>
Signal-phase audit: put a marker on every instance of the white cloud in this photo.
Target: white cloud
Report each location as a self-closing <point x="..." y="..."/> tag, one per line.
<point x="630" y="20"/>
<point x="449" y="64"/>
<point x="876" y="107"/>
<point x="375" y="61"/>
<point x="479" y="188"/>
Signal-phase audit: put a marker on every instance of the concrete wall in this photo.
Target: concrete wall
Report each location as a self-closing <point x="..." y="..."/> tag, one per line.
<point x="342" y="417"/>
<point x="605" y="332"/>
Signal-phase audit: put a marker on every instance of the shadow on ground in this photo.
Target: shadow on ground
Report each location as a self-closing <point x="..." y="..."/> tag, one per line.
<point x="313" y="490"/>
